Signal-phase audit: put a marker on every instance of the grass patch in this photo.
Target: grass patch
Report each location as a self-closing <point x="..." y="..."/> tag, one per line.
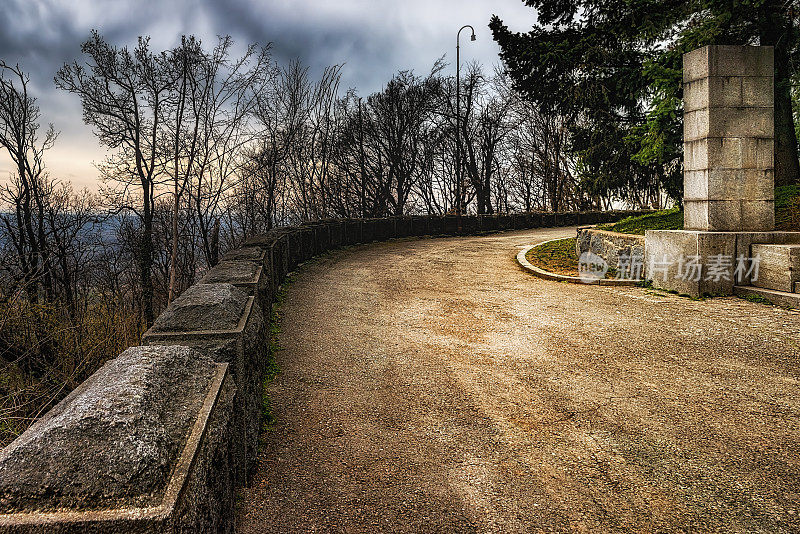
<point x="753" y="297"/>
<point x="787" y="216"/>
<point x="273" y="347"/>
<point x="787" y="208"/>
<point x="558" y="257"/>
<point x="659" y="220"/>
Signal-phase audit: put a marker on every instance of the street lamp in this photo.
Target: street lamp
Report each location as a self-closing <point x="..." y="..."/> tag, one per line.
<point x="459" y="183"/>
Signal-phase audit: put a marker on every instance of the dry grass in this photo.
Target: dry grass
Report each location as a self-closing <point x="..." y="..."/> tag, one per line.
<point x="46" y="354"/>
<point x="558" y="257"/>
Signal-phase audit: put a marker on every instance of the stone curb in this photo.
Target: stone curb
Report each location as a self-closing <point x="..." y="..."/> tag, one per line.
<point x="547" y="275"/>
<point x="775" y="298"/>
<point x="595" y="230"/>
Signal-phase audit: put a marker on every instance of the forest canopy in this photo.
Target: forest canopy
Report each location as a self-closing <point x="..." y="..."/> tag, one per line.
<point x="613" y="70"/>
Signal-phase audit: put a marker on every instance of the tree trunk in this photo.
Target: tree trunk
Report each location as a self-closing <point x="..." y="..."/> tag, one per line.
<point x="146" y="264"/>
<point x="173" y="257"/>
<point x="214" y="244"/>
<point x="787" y="169"/>
<point x="775" y="31"/>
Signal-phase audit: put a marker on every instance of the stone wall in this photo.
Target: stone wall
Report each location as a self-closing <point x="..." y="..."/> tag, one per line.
<point x="613" y="246"/>
<point x="159" y="438"/>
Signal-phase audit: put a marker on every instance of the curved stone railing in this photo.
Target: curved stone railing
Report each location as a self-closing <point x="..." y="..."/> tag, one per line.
<point x="159" y="438"/>
<point x="612" y="247"/>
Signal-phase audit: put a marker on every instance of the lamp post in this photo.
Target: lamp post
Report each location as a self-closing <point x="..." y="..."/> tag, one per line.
<point x="459" y="183"/>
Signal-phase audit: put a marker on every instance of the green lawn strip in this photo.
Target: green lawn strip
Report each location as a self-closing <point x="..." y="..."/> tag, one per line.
<point x="559" y="257"/>
<point x="787" y="216"/>
<point x="273" y="346"/>
<point x="659" y="220"/>
<point x="556" y="257"/>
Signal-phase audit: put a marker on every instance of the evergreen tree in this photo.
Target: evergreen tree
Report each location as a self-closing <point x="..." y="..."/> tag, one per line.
<point x="615" y="67"/>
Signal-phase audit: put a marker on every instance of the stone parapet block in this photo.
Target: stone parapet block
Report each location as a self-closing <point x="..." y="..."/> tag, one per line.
<point x="352" y="231"/>
<point x="419" y="225"/>
<point x="245" y="274"/>
<point x="336" y="232"/>
<point x="779" y="266"/>
<point x="222" y="321"/>
<point x="403" y="226"/>
<point x="308" y="240"/>
<point x="321" y="238"/>
<point x="489" y="223"/>
<point x="140" y="446"/>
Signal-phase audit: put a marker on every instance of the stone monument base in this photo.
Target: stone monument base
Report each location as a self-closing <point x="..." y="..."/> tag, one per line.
<point x="698" y="263"/>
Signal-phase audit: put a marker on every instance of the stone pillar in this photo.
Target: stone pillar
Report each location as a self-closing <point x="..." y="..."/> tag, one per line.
<point x="729" y="204"/>
<point x="728" y="132"/>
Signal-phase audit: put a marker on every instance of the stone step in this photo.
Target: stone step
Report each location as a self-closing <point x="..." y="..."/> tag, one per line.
<point x="779" y="268"/>
<point x="778" y="298"/>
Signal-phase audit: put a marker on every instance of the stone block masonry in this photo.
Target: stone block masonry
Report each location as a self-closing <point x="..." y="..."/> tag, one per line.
<point x="158" y="439"/>
<point x="667" y="252"/>
<point x="779" y="266"/>
<point x="140" y="446"/>
<point x="728" y="133"/>
<point x="225" y="323"/>
<point x="275" y="246"/>
<point x="728" y="177"/>
<point x="623" y="252"/>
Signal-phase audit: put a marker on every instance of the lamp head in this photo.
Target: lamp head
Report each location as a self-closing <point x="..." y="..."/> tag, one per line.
<point x="472" y="38"/>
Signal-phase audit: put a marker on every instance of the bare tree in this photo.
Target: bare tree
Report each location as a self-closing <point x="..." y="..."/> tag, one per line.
<point x="177" y="117"/>
<point x="209" y="112"/>
<point x="29" y="187"/>
<point x="484" y="129"/>
<point x="124" y="96"/>
<point x="401" y="122"/>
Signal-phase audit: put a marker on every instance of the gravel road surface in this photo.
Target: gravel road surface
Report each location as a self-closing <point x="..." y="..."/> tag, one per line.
<point x="430" y="385"/>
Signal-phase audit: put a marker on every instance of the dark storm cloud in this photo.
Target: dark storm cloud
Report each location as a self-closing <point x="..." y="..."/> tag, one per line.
<point x="38" y="41"/>
<point x="318" y="42"/>
<point x="372" y="38"/>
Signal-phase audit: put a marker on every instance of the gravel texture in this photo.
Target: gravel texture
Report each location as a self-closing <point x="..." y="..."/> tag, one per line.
<point x="433" y="386"/>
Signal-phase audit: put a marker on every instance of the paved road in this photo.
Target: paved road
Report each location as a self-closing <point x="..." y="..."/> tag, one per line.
<point x="432" y="386"/>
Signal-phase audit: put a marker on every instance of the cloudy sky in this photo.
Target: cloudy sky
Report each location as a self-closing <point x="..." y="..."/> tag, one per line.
<point x="373" y="38"/>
